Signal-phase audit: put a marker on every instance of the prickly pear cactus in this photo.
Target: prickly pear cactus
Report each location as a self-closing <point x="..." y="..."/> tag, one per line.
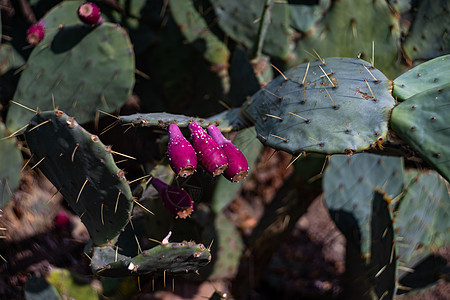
<point x="428" y="36"/>
<point x="422" y="122"/>
<point x="348" y="29"/>
<point x="340" y="105"/>
<point x="82" y="68"/>
<point x="168" y="257"/>
<point x="241" y="21"/>
<point x="427" y="75"/>
<point x="82" y="168"/>
<point x="303" y="17"/>
<point x="10" y="166"/>
<point x="349" y="184"/>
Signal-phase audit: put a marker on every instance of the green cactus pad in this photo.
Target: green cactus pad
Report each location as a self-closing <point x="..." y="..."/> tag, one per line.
<point x="225" y="121"/>
<point x="421" y="223"/>
<point x="170" y="258"/>
<point x="37" y="288"/>
<point x="195" y="29"/>
<point x="428" y="36"/>
<point x="422" y="122"/>
<point x="83" y="68"/>
<point x="297" y="114"/>
<point x="304" y="17"/>
<point x="241" y="21"/>
<point x="349" y="28"/>
<point x="10" y="166"/>
<point x="83" y="170"/>
<point x="349" y="184"/>
<point x="430" y="74"/>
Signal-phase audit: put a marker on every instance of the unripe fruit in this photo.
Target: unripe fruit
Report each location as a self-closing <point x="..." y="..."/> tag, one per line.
<point x="237" y="163"/>
<point x="209" y="153"/>
<point x="176" y="200"/>
<point x="89" y="13"/>
<point x="36" y="33"/>
<point x="182" y="157"/>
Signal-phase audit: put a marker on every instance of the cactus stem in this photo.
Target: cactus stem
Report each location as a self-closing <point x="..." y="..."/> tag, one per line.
<point x="272" y="116"/>
<point x="376" y="80"/>
<point x="117" y="201"/>
<point x="75" y="150"/>
<point x="306" y="120"/>
<point x="281" y="73"/>
<point x="320" y="143"/>
<point x="368" y="85"/>
<point x="272" y="93"/>
<point x="38" y="163"/>
<point x="81" y="190"/>
<point x="293" y="159"/>
<point x="306" y="73"/>
<point x="334" y="104"/>
<point x="101" y="214"/>
<point x="326" y="75"/>
<point x="279" y="137"/>
<point x="143" y="207"/>
<point x="23" y="106"/>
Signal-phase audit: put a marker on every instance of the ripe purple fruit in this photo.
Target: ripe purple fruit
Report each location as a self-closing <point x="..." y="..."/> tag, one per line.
<point x="237" y="163"/>
<point x="182" y="157"/>
<point x="175" y="199"/>
<point x="209" y="153"/>
<point x="89" y="13"/>
<point x="36" y="33"/>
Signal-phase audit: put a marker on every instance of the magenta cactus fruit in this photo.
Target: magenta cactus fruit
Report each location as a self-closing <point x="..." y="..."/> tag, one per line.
<point x="175" y="199"/>
<point x="36" y="33"/>
<point x="237" y="163"/>
<point x="89" y="13"/>
<point x="209" y="153"/>
<point x="182" y="157"/>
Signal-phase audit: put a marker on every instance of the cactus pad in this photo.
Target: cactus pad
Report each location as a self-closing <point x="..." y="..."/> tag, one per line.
<point x="10" y="166"/>
<point x="170" y="258"/>
<point x="349" y="184"/>
<point x="84" y="68"/>
<point x="345" y="111"/>
<point x="422" y="122"/>
<point x="241" y="21"/>
<point x="82" y="168"/>
<point x="430" y="74"/>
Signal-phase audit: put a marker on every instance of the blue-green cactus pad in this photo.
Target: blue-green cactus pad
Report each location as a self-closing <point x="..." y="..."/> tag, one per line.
<point x="170" y="258"/>
<point x="82" y="168"/>
<point x="427" y="75"/>
<point x="352" y="120"/>
<point x="349" y="184"/>
<point x="421" y="223"/>
<point x="241" y="21"/>
<point x="83" y="68"/>
<point x="10" y="166"/>
<point x="423" y="122"/>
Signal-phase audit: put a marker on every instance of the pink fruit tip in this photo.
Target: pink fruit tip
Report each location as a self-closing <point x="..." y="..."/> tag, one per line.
<point x="36" y="33"/>
<point x="182" y="157"/>
<point x="209" y="153"/>
<point x="89" y="13"/>
<point x="62" y="220"/>
<point x="237" y="163"/>
<point x="176" y="200"/>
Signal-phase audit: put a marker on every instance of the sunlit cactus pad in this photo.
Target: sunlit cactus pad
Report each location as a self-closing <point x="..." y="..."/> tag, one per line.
<point x="340" y="105"/>
<point x="181" y="257"/>
<point x="83" y="68"/>
<point x="82" y="168"/>
<point x="423" y="122"/>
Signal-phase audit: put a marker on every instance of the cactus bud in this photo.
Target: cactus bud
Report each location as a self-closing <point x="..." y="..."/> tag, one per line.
<point x="36" y="33"/>
<point x="182" y="157"/>
<point x="209" y="154"/>
<point x="89" y="13"/>
<point x="176" y="200"/>
<point x="237" y="163"/>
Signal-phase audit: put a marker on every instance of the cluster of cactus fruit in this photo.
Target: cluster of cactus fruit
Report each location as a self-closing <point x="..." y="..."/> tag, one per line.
<point x="392" y="215"/>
